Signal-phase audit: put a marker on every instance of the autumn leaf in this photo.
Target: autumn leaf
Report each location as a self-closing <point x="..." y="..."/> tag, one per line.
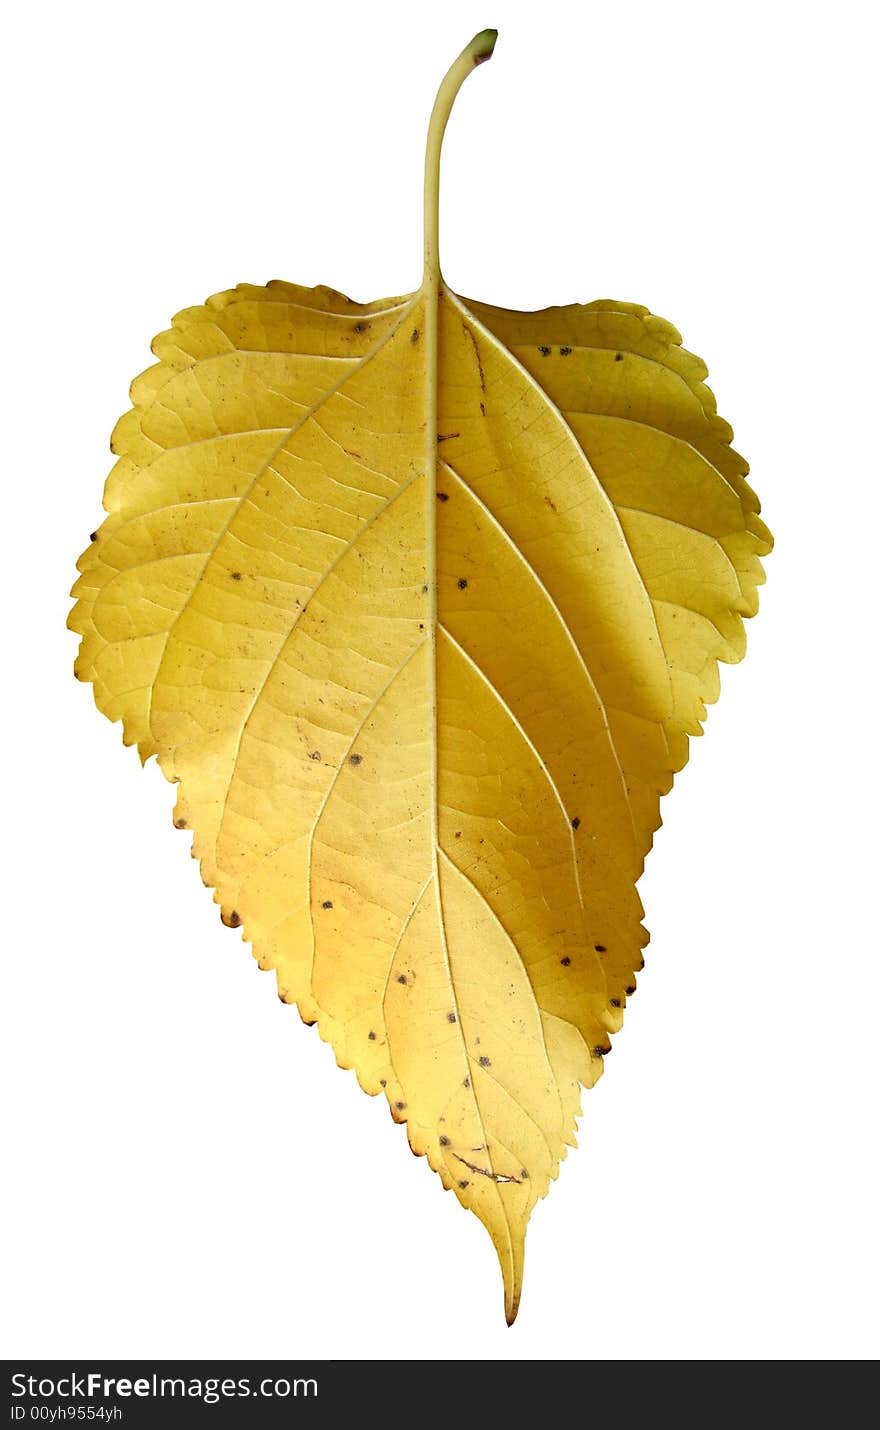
<point x="418" y="601"/>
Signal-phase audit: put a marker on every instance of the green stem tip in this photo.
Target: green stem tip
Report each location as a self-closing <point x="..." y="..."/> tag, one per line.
<point x="482" y="46"/>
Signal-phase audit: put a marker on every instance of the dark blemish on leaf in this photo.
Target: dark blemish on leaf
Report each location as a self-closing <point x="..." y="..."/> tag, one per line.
<point x="467" y="330"/>
<point x="383" y="1082"/>
<point x="447" y="436"/>
<point x="327" y="904"/>
<point x="640" y="965"/>
<point x="615" y="1002"/>
<point x="451" y="1018"/>
<point x="401" y="977"/>
<point x="415" y="335"/>
<point x="443" y="496"/>
<point x="630" y="990"/>
<point x="180" y="823"/>
<point x="618" y="357"/>
<point x="575" y="823"/>
<point x="493" y="1176"/>
<point x="444" y="1141"/>
<point x="372" y="1036"/>
<point x="458" y="833"/>
<point x="355" y="759"/>
<point x="463" y="1185"/>
<point x="400" y="1106"/>
<point x="599" y="1052"/>
<point x="315" y="755"/>
<point x="524" y="1174"/>
<point x="421" y="625"/>
<point x="462" y="583"/>
<point x="544" y="351"/>
<point x="361" y="327"/>
<point x="93" y="536"/>
<point x="467" y="1082"/>
<point x="600" y="948"/>
<point x="564" y="352"/>
<point x="233" y="921"/>
<point x="424" y="590"/>
<point x="482" y="409"/>
<point x="550" y="503"/>
<point x="566" y="962"/>
<point x="485" y="1062"/>
<point x="356" y="455"/>
<point x="236" y="575"/>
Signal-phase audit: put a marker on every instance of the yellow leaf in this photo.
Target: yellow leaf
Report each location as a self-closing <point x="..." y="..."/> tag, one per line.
<point x="419" y="601"/>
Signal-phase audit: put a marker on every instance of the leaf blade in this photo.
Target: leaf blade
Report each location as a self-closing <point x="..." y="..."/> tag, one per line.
<point x="260" y="613"/>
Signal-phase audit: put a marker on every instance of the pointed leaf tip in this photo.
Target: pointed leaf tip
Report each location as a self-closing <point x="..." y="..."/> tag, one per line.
<point x="511" y="1255"/>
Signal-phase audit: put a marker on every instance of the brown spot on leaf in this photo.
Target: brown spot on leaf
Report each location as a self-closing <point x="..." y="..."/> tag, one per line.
<point x="451" y="1018"/>
<point x="443" y="496"/>
<point x="372" y="1036"/>
<point x="463" y="1185"/>
<point x="564" y="352"/>
<point x="462" y="583"/>
<point x="361" y="326"/>
<point x="485" y="1062"/>
<point x="618" y="357"/>
<point x="383" y="1082"/>
<point x="551" y="503"/>
<point x="236" y="575"/>
<point x="447" y="436"/>
<point x="232" y="920"/>
<point x="93" y="536"/>
<point x="630" y="989"/>
<point x="400" y="1106"/>
<point x="575" y="823"/>
<point x="469" y="333"/>
<point x="415" y="335"/>
<point x="467" y="1082"/>
<point x="615" y="1002"/>
<point x="544" y="351"/>
<point x="180" y="823"/>
<point x="327" y="904"/>
<point x="600" y="948"/>
<point x="401" y="977"/>
<point x="444" y="1141"/>
<point x="566" y="962"/>
<point x="483" y="1171"/>
<point x="355" y="759"/>
<point x="315" y="755"/>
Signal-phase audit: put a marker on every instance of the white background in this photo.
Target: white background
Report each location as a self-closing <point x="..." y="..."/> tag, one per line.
<point x="189" y="1174"/>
